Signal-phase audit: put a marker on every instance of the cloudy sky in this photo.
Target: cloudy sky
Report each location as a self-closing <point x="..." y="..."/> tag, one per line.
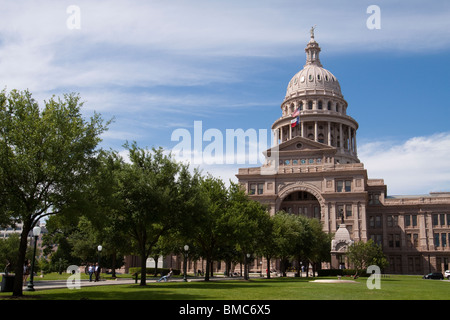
<point x="160" y="66"/>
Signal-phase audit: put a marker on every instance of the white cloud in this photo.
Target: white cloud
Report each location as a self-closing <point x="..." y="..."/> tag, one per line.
<point x="417" y="166"/>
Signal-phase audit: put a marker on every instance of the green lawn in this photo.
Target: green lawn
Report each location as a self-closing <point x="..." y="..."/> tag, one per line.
<point x="392" y="288"/>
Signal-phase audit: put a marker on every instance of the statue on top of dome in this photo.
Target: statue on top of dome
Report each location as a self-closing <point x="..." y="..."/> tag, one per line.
<point x="312" y="31"/>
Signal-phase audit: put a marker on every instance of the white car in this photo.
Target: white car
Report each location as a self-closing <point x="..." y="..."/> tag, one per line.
<point x="447" y="274"/>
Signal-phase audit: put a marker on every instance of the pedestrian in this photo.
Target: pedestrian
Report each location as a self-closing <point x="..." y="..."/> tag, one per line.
<point x="26" y="270"/>
<point x="90" y="271"/>
<point x="167" y="276"/>
<point x="97" y="272"/>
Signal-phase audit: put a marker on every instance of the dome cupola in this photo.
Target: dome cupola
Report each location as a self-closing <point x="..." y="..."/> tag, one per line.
<point x="313" y="78"/>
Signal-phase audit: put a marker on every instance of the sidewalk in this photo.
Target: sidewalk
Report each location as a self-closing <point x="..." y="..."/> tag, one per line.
<point x="62" y="284"/>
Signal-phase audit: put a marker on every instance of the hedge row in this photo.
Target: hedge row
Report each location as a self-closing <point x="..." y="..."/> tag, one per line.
<point x="340" y="272"/>
<point x="151" y="271"/>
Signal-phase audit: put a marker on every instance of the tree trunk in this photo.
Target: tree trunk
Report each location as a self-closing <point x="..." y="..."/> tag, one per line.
<point x="143" y="268"/>
<point x="245" y="268"/>
<point x="18" y="281"/>
<point x="208" y="263"/>
<point x="268" y="267"/>
<point x="113" y="262"/>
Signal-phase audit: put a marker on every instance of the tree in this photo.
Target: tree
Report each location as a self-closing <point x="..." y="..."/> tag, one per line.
<point x="148" y="192"/>
<point x="321" y="244"/>
<point x="285" y="237"/>
<point x="207" y="226"/>
<point x="46" y="156"/>
<point x="363" y="254"/>
<point x="245" y="219"/>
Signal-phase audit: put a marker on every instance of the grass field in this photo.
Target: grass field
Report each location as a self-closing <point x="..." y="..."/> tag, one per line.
<point x="392" y="288"/>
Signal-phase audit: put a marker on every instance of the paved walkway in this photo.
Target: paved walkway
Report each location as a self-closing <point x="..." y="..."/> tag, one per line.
<point x="60" y="284"/>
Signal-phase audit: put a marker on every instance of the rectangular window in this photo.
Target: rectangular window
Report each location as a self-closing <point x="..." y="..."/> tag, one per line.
<point x="448" y="219"/>
<point x="397" y="241"/>
<point x="339" y="186"/>
<point x="374" y="198"/>
<point x="435" y="219"/>
<point x="348" y="210"/>
<point x="436" y="240"/>
<point x="378" y="222"/>
<point x="442" y="219"/>
<point x="260" y="188"/>
<point x="444" y="239"/>
<point x="414" y="220"/>
<point x="317" y="212"/>
<point x="391" y="240"/>
<point x="348" y="186"/>
<point x="379" y="239"/>
<point x="416" y="240"/>
<point x="252" y="189"/>
<point x="407" y="220"/>
<point x="371" y="222"/>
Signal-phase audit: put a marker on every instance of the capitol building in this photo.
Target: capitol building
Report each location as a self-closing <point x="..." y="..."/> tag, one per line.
<point x="313" y="170"/>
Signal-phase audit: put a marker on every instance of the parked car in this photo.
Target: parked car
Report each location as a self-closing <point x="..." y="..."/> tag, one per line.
<point x="434" y="275"/>
<point x="447" y="274"/>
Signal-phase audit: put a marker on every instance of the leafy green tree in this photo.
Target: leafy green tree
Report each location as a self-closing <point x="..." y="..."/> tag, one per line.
<point x="303" y="239"/>
<point x="244" y="219"/>
<point x="104" y="207"/>
<point x="9" y="249"/>
<point x="148" y="192"/>
<point x="46" y="156"/>
<point x="285" y="237"/>
<point x="363" y="254"/>
<point x="207" y="227"/>
<point x="321" y="245"/>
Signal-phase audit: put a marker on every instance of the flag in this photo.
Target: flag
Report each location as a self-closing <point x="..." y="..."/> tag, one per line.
<point x="294" y="122"/>
<point x="296" y="113"/>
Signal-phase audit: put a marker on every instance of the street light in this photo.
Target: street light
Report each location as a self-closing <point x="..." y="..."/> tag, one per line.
<point x="186" y="249"/>
<point x="247" y="274"/>
<point x="97" y="270"/>
<point x="36" y="233"/>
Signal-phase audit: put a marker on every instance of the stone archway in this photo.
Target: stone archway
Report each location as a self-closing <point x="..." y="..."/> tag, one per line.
<point x="300" y="198"/>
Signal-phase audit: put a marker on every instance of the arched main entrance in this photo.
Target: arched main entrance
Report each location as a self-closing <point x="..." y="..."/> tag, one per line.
<point x="301" y="199"/>
<point x="301" y="203"/>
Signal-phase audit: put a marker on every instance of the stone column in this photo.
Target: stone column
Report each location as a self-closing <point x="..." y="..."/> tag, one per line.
<point x="315" y="131"/>
<point x="363" y="223"/>
<point x="329" y="133"/>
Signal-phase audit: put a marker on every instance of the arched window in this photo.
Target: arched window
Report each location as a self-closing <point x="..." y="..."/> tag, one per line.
<point x="329" y="105"/>
<point x="320" y="105"/>
<point x="321" y="138"/>
<point x="301" y="105"/>
<point x="310" y="105"/>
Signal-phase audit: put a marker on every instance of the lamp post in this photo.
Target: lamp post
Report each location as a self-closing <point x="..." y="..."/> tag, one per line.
<point x="36" y="232"/>
<point x="247" y="273"/>
<point x="186" y="249"/>
<point x="97" y="270"/>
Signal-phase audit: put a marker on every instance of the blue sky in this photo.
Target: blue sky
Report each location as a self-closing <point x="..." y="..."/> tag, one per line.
<point x="157" y="66"/>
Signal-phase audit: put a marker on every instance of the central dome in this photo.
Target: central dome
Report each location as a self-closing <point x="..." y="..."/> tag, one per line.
<point x="313" y="78"/>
